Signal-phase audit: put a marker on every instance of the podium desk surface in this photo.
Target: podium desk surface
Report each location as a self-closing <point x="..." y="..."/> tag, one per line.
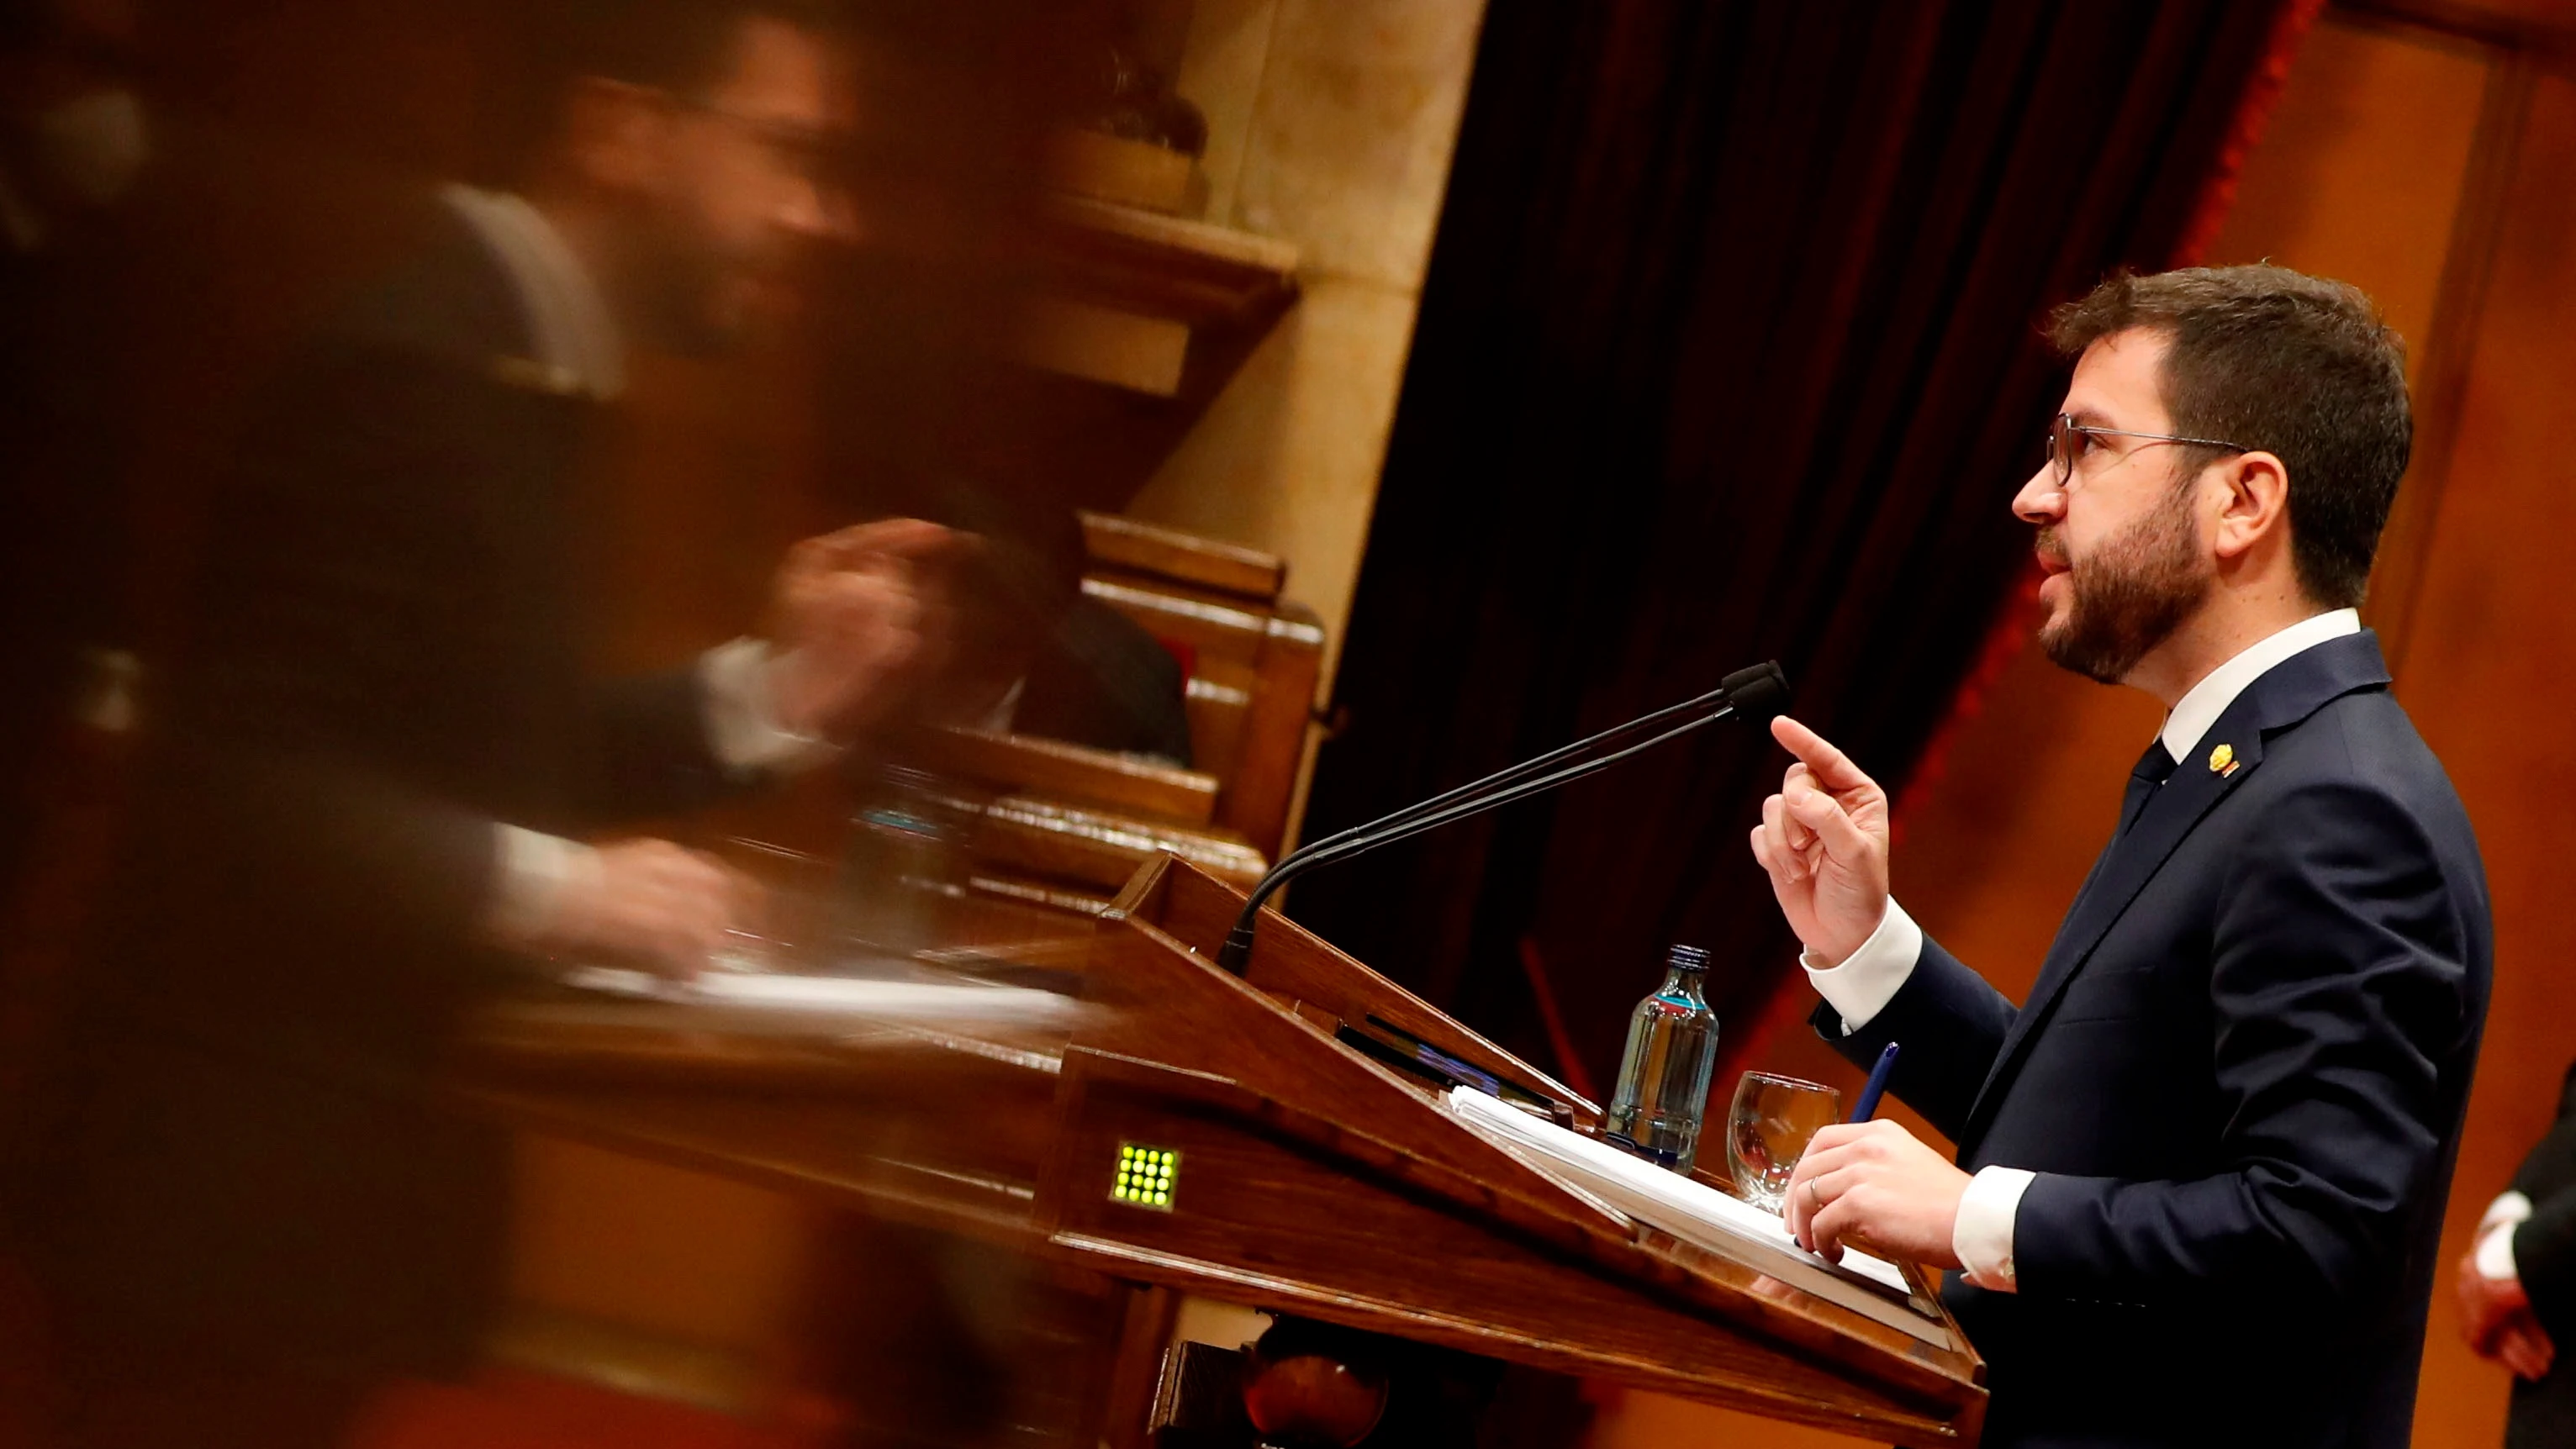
<point x="1304" y="1176"/>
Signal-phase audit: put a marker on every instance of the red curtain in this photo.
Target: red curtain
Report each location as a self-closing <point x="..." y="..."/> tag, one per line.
<point x="1729" y="350"/>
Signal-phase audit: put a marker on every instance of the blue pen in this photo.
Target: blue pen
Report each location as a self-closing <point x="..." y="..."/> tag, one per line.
<point x="1869" y="1094"/>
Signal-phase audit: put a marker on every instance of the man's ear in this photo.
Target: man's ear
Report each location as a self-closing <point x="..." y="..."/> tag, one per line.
<point x="2256" y="509"/>
<point x="612" y="134"/>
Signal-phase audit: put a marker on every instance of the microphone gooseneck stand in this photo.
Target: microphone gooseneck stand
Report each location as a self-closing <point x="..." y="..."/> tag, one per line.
<point x="1756" y="695"/>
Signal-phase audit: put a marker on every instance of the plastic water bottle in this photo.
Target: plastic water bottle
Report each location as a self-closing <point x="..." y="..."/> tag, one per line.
<point x="1663" y="1076"/>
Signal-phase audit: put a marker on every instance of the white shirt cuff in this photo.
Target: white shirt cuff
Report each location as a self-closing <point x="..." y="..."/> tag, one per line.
<point x="2494" y="1253"/>
<point x="1983" y="1234"/>
<point x="743" y="732"/>
<point x="1870" y="977"/>
<point x="532" y="870"/>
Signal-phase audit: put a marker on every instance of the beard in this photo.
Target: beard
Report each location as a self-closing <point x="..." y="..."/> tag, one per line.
<point x="694" y="285"/>
<point x="2129" y="594"/>
<point x="692" y="312"/>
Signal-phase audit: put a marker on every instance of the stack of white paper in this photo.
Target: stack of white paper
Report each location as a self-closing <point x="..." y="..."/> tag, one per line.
<point x="1698" y="1214"/>
<point x="757" y="1001"/>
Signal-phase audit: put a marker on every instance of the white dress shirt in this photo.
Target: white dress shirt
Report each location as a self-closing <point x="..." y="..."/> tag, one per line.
<point x="2494" y="1252"/>
<point x="575" y="342"/>
<point x="571" y="331"/>
<point x="1864" y="982"/>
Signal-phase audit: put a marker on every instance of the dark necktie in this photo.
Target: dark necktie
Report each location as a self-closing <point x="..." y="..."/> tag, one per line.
<point x="2154" y="768"/>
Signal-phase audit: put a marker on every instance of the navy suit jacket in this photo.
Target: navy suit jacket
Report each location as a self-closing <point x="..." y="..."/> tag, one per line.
<point x="2240" y="1078"/>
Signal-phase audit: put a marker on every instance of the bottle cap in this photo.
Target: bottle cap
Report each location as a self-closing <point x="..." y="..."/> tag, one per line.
<point x="1689" y="958"/>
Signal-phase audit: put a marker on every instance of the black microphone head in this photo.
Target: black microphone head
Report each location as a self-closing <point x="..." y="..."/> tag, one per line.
<point x="1757" y="695"/>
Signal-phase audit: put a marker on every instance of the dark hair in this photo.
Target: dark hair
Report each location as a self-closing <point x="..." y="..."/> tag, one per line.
<point x="2298" y="366"/>
<point x="686" y="47"/>
<point x="682" y="46"/>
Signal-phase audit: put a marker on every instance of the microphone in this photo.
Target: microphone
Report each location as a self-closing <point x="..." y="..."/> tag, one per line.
<point x="1755" y="695"/>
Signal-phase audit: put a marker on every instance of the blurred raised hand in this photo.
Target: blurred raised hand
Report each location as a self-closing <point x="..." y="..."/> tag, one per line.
<point x="859" y="618"/>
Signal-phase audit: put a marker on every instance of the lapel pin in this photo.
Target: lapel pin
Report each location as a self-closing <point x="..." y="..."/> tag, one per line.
<point x="2222" y="761"/>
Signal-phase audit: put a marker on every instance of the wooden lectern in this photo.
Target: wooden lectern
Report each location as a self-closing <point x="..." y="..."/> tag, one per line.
<point x="1218" y="1137"/>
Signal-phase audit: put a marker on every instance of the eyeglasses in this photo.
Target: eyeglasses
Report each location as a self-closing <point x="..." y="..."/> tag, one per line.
<point x="2069" y="440"/>
<point x="804" y="152"/>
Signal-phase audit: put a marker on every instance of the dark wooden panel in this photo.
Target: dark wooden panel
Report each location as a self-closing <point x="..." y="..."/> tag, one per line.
<point x="1072" y="772"/>
<point x="1217" y="626"/>
<point x="1132" y="546"/>
<point x="1264" y="780"/>
<point x="1225" y="1042"/>
<point x="1264" y="1219"/>
<point x="1050" y="838"/>
<point x="1262" y="661"/>
<point x="1311" y="1179"/>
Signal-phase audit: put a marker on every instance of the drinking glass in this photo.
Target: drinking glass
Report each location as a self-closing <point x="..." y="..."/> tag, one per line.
<point x="776" y="927"/>
<point x="1768" y="1128"/>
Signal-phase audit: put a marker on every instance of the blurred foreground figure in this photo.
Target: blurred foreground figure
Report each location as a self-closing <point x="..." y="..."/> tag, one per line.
<point x="2517" y="1285"/>
<point x="76" y="145"/>
<point x="370" y="775"/>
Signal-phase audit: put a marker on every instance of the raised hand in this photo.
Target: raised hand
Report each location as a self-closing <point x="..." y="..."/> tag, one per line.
<point x="911" y="539"/>
<point x="2496" y="1319"/>
<point x="861" y="615"/>
<point x="1823" y="839"/>
<point x="2523" y="1346"/>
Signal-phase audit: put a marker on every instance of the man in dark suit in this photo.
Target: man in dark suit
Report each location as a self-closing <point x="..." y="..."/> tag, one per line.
<point x="2201" y="1170"/>
<point x="374" y="776"/>
<point x="2517" y="1284"/>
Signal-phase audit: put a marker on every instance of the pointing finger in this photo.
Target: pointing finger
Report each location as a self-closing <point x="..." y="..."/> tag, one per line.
<point x="1832" y="768"/>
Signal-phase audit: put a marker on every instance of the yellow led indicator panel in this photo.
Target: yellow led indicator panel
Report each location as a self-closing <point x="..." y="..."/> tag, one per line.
<point x="1145" y="1176"/>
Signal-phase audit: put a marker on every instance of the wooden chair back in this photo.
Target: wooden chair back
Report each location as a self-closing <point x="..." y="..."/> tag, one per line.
<point x="1253" y="658"/>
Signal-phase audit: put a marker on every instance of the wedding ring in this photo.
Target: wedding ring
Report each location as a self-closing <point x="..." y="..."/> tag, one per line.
<point x="1814" y="1203"/>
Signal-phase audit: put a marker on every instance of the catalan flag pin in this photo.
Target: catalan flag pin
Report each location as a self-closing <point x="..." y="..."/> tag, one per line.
<point x="2222" y="761"/>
